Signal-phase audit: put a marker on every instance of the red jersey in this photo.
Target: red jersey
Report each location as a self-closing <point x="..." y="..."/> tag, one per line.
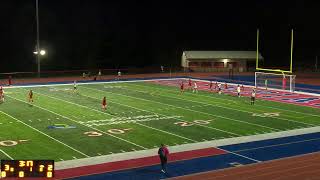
<point x="165" y="150"/>
<point x="1" y="91"/>
<point x="210" y="85"/>
<point x="226" y="86"/>
<point x="181" y="86"/>
<point x="104" y="101"/>
<point x="190" y="83"/>
<point x="284" y="82"/>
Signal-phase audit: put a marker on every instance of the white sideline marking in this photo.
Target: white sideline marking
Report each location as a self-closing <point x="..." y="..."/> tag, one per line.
<point x="121" y="150"/>
<point x="115" y="116"/>
<point x="74" y="157"/>
<point x="206" y="104"/>
<point x="5" y="152"/>
<point x="160" y="113"/>
<point x="99" y="154"/>
<point x="61" y="159"/>
<point x="30" y="120"/>
<point x="85" y="125"/>
<point x="43" y="132"/>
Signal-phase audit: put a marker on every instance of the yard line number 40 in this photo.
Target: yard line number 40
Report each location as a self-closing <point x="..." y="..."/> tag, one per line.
<point x="112" y="131"/>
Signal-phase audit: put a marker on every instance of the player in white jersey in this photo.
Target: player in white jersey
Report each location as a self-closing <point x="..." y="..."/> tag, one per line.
<point x="219" y="88"/>
<point x="74" y="86"/>
<point x="238" y="90"/>
<point x="253" y="96"/>
<point x="195" y="87"/>
<point x="1" y="95"/>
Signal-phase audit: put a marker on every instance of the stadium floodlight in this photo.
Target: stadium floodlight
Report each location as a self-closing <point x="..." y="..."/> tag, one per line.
<point x="42" y="52"/>
<point x="225" y="60"/>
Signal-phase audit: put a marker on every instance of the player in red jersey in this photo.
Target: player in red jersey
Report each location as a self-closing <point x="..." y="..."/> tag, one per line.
<point x="210" y="85"/>
<point x="104" y="103"/>
<point x="190" y="83"/>
<point x="284" y="82"/>
<point x="225" y="86"/>
<point x="30" y="96"/>
<point x="181" y="87"/>
<point x="216" y="86"/>
<point x="1" y="94"/>
<point x="242" y="87"/>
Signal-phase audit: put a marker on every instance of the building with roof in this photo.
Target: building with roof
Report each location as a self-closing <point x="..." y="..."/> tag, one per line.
<point x="219" y="61"/>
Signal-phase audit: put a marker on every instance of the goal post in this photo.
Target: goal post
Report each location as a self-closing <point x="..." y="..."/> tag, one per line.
<point x="275" y="81"/>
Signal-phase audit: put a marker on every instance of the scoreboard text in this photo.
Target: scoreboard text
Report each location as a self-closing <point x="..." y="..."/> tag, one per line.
<point x="27" y="168"/>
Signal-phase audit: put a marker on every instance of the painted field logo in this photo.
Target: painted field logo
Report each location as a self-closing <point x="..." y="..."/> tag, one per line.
<point x="274" y="114"/>
<point x="61" y="126"/>
<point x="125" y="120"/>
<point x="8" y="143"/>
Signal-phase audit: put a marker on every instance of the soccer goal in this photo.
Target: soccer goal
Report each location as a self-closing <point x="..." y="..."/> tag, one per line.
<point x="275" y="81"/>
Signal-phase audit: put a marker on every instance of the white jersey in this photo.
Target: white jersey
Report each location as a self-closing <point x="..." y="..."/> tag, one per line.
<point x="238" y="89"/>
<point x="119" y="73"/>
<point x="195" y="85"/>
<point x="253" y="94"/>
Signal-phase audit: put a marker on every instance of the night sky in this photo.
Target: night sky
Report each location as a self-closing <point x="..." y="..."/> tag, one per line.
<point x="91" y="34"/>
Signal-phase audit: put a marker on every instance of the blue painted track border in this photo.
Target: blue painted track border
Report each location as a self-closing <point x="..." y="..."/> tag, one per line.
<point x="260" y="150"/>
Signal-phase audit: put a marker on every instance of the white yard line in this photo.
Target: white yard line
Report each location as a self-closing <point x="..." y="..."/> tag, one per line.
<point x="82" y="124"/>
<point x="160" y="113"/>
<point x="186" y="109"/>
<point x="249" y="112"/>
<point x="116" y="116"/>
<point x="5" y="153"/>
<point x="45" y="134"/>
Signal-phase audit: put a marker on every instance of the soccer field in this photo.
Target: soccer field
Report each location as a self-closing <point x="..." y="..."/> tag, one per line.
<point x="63" y="125"/>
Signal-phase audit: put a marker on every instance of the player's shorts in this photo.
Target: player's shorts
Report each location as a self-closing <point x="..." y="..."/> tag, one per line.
<point x="253" y="98"/>
<point x="74" y="88"/>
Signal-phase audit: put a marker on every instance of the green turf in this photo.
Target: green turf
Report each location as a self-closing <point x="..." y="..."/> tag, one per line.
<point x="140" y="115"/>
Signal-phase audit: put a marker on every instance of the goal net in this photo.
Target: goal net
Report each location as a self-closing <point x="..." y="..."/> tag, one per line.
<point x="275" y="81"/>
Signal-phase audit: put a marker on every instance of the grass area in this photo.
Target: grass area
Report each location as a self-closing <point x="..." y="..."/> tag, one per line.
<point x="140" y="115"/>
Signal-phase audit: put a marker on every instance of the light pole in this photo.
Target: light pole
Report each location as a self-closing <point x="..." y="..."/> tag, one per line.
<point x="38" y="37"/>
